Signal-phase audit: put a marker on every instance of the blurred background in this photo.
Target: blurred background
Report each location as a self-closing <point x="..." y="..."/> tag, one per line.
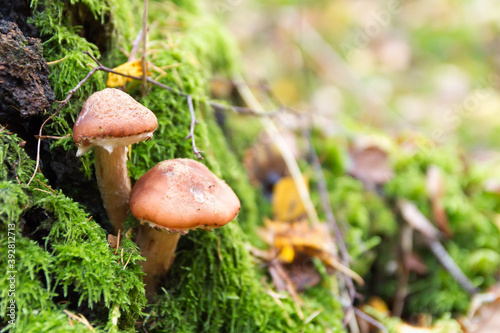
<point x="430" y="66"/>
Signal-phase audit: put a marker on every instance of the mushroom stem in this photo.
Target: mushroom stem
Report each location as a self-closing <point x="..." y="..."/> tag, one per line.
<point x="158" y="247"/>
<point x="114" y="183"/>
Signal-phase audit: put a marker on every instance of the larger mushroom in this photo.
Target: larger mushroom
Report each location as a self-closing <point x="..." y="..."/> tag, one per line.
<point x="176" y="196"/>
<point x="111" y="120"/>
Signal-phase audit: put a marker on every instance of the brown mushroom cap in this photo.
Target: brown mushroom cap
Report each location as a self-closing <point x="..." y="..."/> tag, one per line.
<point x="111" y="117"/>
<point x="183" y="194"/>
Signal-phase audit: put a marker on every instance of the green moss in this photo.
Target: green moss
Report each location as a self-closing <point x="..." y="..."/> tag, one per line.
<point x="50" y="320"/>
<point x="362" y="215"/>
<point x="470" y="212"/>
<point x="232" y="172"/>
<point x="67" y="258"/>
<point x="443" y="324"/>
<point x="173" y="115"/>
<point x="207" y="36"/>
<point x="371" y="225"/>
<point x="214" y="285"/>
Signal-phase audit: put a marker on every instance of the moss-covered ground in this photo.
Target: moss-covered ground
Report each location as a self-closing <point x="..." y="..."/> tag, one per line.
<point x="63" y="259"/>
<point x="64" y="263"/>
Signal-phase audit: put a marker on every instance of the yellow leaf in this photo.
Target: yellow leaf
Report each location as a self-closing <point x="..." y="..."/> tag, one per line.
<point x="133" y="68"/>
<point x="287" y="205"/>
<point x="299" y="237"/>
<point x="287" y="253"/>
<point x="276" y="226"/>
<point x="378" y="304"/>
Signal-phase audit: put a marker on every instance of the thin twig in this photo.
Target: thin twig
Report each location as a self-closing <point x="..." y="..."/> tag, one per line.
<point x="243" y="110"/>
<point x="47" y="186"/>
<point x="163" y="86"/>
<point x="215" y="105"/>
<point x="63" y="103"/>
<point x="130" y="256"/>
<point x="371" y="320"/>
<point x="100" y="67"/>
<point x="345" y="300"/>
<point x="312" y="316"/>
<point x="52" y="137"/>
<point x="330" y="219"/>
<point x="196" y="151"/>
<point x="449" y="264"/>
<point x="103" y="68"/>
<point x="39" y="189"/>
<point x="80" y="318"/>
<point x="282" y="146"/>
<point x="56" y="61"/>
<point x="135" y="46"/>
<point x="265" y="86"/>
<point x="118" y="240"/>
<point x="412" y="214"/>
<point x="262" y="85"/>
<point x="144" y="47"/>
<point x="406" y="247"/>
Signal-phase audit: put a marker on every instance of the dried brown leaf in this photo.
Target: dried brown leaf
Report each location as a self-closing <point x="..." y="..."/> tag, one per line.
<point x="484" y="315"/>
<point x="436" y="189"/>
<point x="264" y="163"/>
<point x="112" y="241"/>
<point x="303" y="274"/>
<point x="414" y="263"/>
<point x="370" y="165"/>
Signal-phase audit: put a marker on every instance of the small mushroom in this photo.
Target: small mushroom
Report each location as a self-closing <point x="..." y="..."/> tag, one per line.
<point x="111" y="120"/>
<point x="176" y="196"/>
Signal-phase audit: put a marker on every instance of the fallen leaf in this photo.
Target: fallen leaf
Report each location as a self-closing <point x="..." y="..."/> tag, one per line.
<point x="303" y="275"/>
<point x="379" y="305"/>
<point x="434" y="182"/>
<point x="414" y="263"/>
<point x="291" y="239"/>
<point x="133" y="68"/>
<point x="484" y="314"/>
<point x="282" y="281"/>
<point x="287" y="204"/>
<point x="112" y="241"/>
<point x="312" y="241"/>
<point x="279" y="280"/>
<point x="436" y="189"/>
<point x="287" y="253"/>
<point x="264" y="163"/>
<point x="370" y="164"/>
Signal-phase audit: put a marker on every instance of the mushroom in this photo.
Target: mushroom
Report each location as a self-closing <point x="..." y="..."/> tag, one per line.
<point x="111" y="120"/>
<point x="176" y="196"/>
